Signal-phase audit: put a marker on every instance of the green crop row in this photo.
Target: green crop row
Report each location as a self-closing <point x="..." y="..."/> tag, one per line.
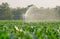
<point x="29" y="30"/>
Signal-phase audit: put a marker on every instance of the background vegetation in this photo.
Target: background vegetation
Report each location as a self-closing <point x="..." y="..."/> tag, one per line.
<point x="8" y="13"/>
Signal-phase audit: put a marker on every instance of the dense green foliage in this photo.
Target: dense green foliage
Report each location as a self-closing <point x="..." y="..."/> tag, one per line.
<point x="16" y="29"/>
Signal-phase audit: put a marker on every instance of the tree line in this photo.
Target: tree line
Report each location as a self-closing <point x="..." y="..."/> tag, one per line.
<point x="8" y="13"/>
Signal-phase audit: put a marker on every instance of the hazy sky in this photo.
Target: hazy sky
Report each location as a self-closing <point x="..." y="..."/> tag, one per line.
<point x="38" y="3"/>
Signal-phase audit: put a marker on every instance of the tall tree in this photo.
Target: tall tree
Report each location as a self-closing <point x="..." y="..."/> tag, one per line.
<point x="4" y="11"/>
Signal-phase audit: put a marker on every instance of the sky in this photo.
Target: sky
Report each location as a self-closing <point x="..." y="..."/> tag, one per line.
<point x="38" y="3"/>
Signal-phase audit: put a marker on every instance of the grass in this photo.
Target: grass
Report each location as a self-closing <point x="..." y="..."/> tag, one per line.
<point x="16" y="29"/>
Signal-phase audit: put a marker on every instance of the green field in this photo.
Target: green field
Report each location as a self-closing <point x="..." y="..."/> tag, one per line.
<point x="15" y="29"/>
